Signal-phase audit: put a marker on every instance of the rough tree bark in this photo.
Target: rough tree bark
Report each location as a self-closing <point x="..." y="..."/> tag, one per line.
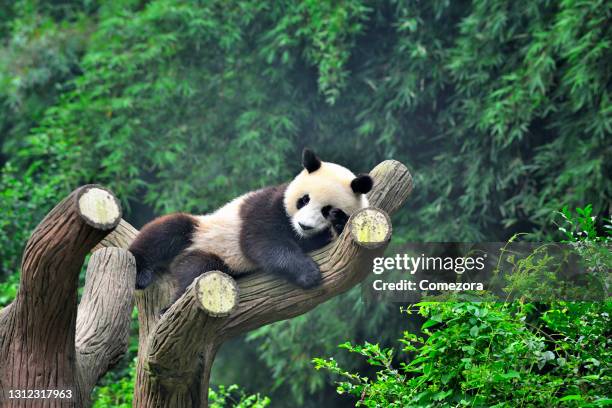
<point x="177" y="350"/>
<point x="44" y="343"/>
<point x="104" y="313"/>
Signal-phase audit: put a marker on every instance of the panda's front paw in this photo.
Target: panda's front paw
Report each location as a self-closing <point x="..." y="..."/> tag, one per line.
<point x="308" y="275"/>
<point x="338" y="219"/>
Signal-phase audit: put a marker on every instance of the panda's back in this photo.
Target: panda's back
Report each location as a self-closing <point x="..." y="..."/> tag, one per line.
<point x="218" y="233"/>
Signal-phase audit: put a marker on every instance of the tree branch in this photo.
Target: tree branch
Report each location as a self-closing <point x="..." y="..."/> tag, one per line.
<point x="173" y="355"/>
<point x="104" y="314"/>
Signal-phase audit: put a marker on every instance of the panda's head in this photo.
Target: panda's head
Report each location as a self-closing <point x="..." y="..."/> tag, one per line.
<point x="319" y="188"/>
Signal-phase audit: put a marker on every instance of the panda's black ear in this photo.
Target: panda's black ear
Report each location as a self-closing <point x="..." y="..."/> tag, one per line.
<point x="310" y="161"/>
<point x="362" y="184"/>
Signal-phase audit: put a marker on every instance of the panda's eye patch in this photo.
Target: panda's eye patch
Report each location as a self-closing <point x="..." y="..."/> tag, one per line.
<point x="325" y="210"/>
<point x="302" y="201"/>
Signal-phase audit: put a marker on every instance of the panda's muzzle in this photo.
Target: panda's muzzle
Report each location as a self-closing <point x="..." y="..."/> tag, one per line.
<point x="305" y="227"/>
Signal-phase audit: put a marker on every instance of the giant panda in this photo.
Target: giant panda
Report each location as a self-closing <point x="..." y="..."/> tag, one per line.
<point x="271" y="229"/>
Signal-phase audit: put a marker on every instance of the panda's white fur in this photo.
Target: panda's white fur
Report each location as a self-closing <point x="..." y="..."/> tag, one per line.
<point x="260" y="229"/>
<point x="219" y="233"/>
<point x="328" y="185"/>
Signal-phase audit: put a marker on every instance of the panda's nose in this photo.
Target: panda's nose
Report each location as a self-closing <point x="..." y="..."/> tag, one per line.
<point x="304" y="227"/>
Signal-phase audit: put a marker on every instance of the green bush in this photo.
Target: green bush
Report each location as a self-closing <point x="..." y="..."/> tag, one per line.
<point x="496" y="354"/>
<point x="233" y="396"/>
<point x="487" y="354"/>
<point x="117" y="393"/>
<point x="8" y="290"/>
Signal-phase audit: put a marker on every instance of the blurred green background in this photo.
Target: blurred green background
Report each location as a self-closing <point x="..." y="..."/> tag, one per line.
<point x="500" y="109"/>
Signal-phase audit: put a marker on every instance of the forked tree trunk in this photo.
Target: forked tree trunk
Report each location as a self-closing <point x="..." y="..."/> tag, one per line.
<point x="41" y="346"/>
<point x="38" y="347"/>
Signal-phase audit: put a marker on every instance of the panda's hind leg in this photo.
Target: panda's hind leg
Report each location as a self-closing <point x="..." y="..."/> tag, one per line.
<point x="158" y="243"/>
<point x="191" y="264"/>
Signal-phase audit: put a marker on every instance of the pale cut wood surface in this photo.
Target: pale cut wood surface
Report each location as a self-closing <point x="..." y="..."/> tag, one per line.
<point x="370" y="227"/>
<point x="217" y="293"/>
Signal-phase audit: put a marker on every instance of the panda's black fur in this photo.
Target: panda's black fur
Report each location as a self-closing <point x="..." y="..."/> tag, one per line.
<point x="267" y="238"/>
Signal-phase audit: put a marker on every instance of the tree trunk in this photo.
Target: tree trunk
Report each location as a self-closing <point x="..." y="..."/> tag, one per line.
<point x="39" y="342"/>
<point x="45" y="345"/>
